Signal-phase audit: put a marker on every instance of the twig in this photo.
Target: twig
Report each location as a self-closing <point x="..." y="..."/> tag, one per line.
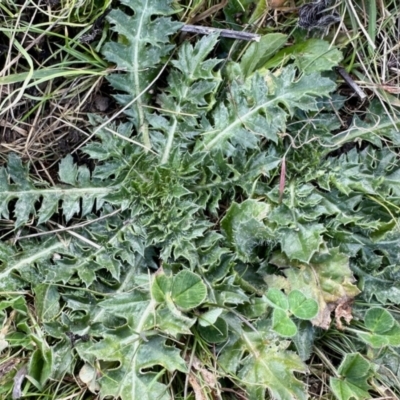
<point x="228" y="33"/>
<point x="351" y="83"/>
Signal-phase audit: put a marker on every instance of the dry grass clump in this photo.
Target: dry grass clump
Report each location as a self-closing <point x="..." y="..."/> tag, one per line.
<point x="49" y="79"/>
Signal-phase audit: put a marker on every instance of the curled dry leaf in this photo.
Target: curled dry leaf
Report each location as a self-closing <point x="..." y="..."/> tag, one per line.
<point x="343" y="310"/>
<point x="18" y="379"/>
<point x="198" y="393"/>
<point x="209" y="379"/>
<point x="87" y="375"/>
<point x="276" y="3"/>
<point x="7" y="366"/>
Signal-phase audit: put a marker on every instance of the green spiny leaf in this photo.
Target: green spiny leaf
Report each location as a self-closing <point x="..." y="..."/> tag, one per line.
<point x="355" y="370"/>
<point x="273" y="369"/>
<point x="244" y="227"/>
<point x="145" y="43"/>
<point x="258" y="108"/>
<point x="47" y="301"/>
<point x="302" y="242"/>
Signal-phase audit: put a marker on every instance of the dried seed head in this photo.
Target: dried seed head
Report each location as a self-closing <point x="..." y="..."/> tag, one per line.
<point x="316" y="15"/>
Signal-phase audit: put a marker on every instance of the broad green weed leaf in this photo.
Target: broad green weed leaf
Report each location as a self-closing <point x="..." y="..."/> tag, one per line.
<point x="354" y="370"/>
<point x="384" y="329"/>
<point x="282" y="324"/>
<point x="258" y="53"/>
<point x="63" y="360"/>
<point x="79" y="199"/>
<point x="370" y="171"/>
<point x="243" y="225"/>
<point x="345" y="390"/>
<point x="301" y="306"/>
<point x="393" y="335"/>
<point x="129" y="306"/>
<point x="131" y="383"/>
<point x="272" y="369"/>
<point x="355" y="367"/>
<point x="191" y="93"/>
<point x="133" y="350"/>
<point x="389" y="338"/>
<point x="216" y="333"/>
<point x="157" y="352"/>
<point x="312" y="55"/>
<point x="304" y="339"/>
<point x="47" y="302"/>
<point x="374" y="340"/>
<point x="302" y="242"/>
<point x="229" y="293"/>
<point x="25" y="260"/>
<point x="191" y="60"/>
<point x="41" y="364"/>
<point x="68" y="171"/>
<point x="22" y="189"/>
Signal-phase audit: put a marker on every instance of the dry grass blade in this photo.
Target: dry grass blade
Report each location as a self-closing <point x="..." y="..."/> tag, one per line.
<point x="43" y="111"/>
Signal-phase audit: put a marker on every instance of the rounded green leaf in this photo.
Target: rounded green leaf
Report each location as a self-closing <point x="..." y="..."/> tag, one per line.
<point x="160" y="287"/>
<point x="354" y="366"/>
<point x="378" y="320"/>
<point x="209" y="317"/>
<point x="216" y="333"/>
<point x="282" y="324"/>
<point x="375" y="341"/>
<point x="393" y="335"/>
<point x="188" y="290"/>
<point x="301" y="307"/>
<point x="278" y="299"/>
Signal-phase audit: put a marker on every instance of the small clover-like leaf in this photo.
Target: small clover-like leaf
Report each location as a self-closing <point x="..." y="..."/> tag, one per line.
<point x="393" y="335"/>
<point x="188" y="290"/>
<point x="375" y="341"/>
<point x="378" y="320"/>
<point x="278" y="299"/>
<point x="160" y="287"/>
<point x="301" y="307"/>
<point x="282" y="324"/>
